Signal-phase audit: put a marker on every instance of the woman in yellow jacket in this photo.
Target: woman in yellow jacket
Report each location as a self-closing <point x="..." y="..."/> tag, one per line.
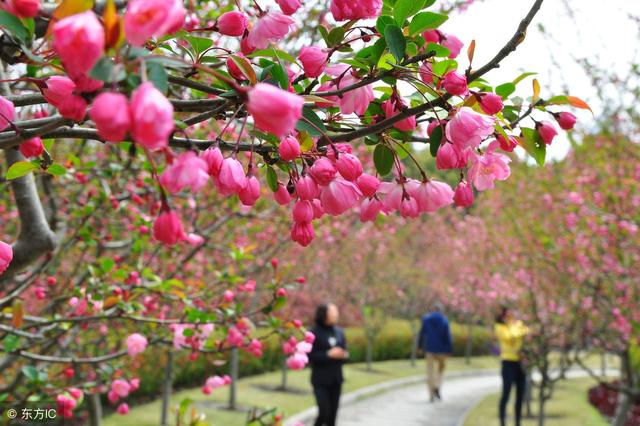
<point x="510" y="334"/>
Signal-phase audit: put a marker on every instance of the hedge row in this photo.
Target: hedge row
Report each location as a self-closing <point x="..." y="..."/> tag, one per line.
<point x="393" y="342"/>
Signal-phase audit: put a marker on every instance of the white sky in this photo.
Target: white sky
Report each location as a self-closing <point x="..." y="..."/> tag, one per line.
<point x="603" y="31"/>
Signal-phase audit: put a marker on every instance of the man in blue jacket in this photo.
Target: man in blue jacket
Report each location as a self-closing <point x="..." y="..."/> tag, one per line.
<point x="435" y="341"/>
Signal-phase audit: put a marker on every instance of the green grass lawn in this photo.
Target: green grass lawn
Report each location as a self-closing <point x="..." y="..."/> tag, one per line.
<point x="258" y="391"/>
<point x="568" y="407"/>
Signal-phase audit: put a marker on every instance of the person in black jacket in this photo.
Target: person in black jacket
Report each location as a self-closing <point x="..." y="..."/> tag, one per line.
<point x="326" y="358"/>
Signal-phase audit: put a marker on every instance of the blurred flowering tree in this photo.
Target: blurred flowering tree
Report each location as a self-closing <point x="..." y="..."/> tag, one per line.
<point x="138" y="137"/>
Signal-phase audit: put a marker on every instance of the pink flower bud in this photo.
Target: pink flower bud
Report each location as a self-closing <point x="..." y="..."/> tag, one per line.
<point x="289" y="148"/>
<point x="152" y="117"/>
<point x="306" y="188"/>
<point x="264" y="99"/>
<point x="6" y="256"/>
<point x="491" y="103"/>
<point x="110" y="113"/>
<point x="121" y="388"/>
<point x="345" y="10"/>
<point x="566" y="120"/>
<point x="455" y="83"/>
<point x="463" y="196"/>
<point x="309" y="337"/>
<point x="409" y="207"/>
<point x="289" y="7"/>
<point x="547" y="131"/>
<point x="213" y="157"/>
<point x="7" y="112"/>
<point x="426" y="72"/>
<point x="123" y="409"/>
<point x="318" y="211"/>
<point x="452" y="43"/>
<point x="60" y="93"/>
<point x="228" y="296"/>
<point x="449" y="156"/>
<point x="187" y="171"/>
<point x="32" y="147"/>
<point x="232" y="178"/>
<point x="302" y="233"/>
<point x="431" y="36"/>
<point x="282" y="196"/>
<point x="232" y="23"/>
<point x="323" y="171"/>
<point x="79" y="42"/>
<point x="508" y="144"/>
<point x="339" y="196"/>
<point x="368" y="184"/>
<point x="392" y="108"/>
<point x="75" y="393"/>
<point x="281" y="292"/>
<point x="271" y="27"/>
<point x="251" y="192"/>
<point x="314" y="61"/>
<point x="168" y="228"/>
<point x="152" y="18"/>
<point x="234" y="70"/>
<point x="23" y="8"/>
<point x="303" y="211"/>
<point x="349" y="166"/>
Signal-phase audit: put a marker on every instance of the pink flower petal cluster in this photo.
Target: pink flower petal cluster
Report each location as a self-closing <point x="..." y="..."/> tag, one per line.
<point x="272" y="27"/>
<point x="79" y="42"/>
<point x="468" y="128"/>
<point x="187" y="171"/>
<point x="344" y="10"/>
<point x="215" y="382"/>
<point x="152" y="18"/>
<point x="136" y="344"/>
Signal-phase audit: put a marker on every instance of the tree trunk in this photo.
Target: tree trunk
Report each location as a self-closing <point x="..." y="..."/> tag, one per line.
<point x="369" y="353"/>
<point x="234" y="378"/>
<point x="166" y="391"/>
<point x="283" y="383"/>
<point x="528" y="394"/>
<point x="541" y="402"/>
<point x="622" y="410"/>
<point x="467" y="350"/>
<point x="414" y="343"/>
<point x="95" y="410"/>
<point x="603" y="364"/>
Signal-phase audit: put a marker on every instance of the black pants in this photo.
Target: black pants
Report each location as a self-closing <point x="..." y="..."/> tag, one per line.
<point x="512" y="373"/>
<point x="328" y="399"/>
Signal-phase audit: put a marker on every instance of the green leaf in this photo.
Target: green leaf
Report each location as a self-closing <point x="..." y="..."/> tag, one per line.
<point x="506" y="89"/>
<point x="440" y="51"/>
<point x="14" y="26"/>
<point x="426" y="21"/>
<point x="335" y="36"/>
<point x="279" y="73"/>
<point x="157" y="74"/>
<point x="523" y="76"/>
<point x="272" y="53"/>
<point x="406" y="8"/>
<point x="56" y="170"/>
<point x="534" y="145"/>
<point x="310" y="115"/>
<point x="395" y="41"/>
<point x="199" y="44"/>
<point x="435" y="139"/>
<point x="19" y="169"/>
<point x="30" y="372"/>
<point x="102" y="70"/>
<point x="10" y="342"/>
<point x="382" y="23"/>
<point x="272" y="179"/>
<point x="383" y="157"/>
<point x="442" y="67"/>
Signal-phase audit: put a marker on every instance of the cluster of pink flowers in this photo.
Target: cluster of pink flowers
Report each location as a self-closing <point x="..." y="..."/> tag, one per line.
<point x="121" y="389"/>
<point x="6" y="256"/>
<point x="195" y="340"/>
<point x="67" y="401"/>
<point x="136" y="344"/>
<point x="215" y="382"/>
<point x="297" y="351"/>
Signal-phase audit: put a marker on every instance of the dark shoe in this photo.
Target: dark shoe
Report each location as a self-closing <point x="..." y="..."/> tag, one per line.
<point x="437" y="393"/>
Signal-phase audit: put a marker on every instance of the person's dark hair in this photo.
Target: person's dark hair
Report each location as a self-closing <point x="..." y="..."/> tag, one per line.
<point x="321" y="314"/>
<point x="501" y="315"/>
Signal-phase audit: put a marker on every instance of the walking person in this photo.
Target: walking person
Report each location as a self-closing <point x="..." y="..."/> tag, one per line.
<point x="435" y="341"/>
<point x="328" y="354"/>
<point x="510" y="333"/>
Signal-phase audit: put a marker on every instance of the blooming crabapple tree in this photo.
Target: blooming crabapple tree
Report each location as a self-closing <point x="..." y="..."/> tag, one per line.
<point x="149" y="111"/>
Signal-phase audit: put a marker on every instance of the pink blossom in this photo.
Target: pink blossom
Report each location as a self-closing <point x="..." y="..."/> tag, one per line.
<point x="282" y="196"/>
<point x="23" y="8"/>
<point x="323" y="171"/>
<point x="255" y="347"/>
<point x="432" y="195"/>
<point x="187" y="171"/>
<point x="136" y="343"/>
<point x="6" y="256"/>
<point x="409" y="207"/>
<point x="302" y="233"/>
<point x="214" y="159"/>
<point x="264" y="99"/>
<point x="251" y="192"/>
<point x="508" y="144"/>
<point x="349" y="166"/>
<point x="75" y="393"/>
<point x="490" y="103"/>
<point x="60" y="93"/>
<point x="339" y="196"/>
<point x="152" y="18"/>
<point x="356" y="100"/>
<point x="391" y="109"/>
<point x="468" y="128"/>
<point x="547" y="131"/>
<point x="455" y="83"/>
<point x="65" y="406"/>
<point x="234" y="69"/>
<point x="168" y="229"/>
<point x="234" y="337"/>
<point x="369" y="209"/>
<point x="271" y="27"/>
<point x="232" y="178"/>
<point x="449" y="156"/>
<point x="452" y="43"/>
<point x="431" y="36"/>
<point x="79" y="42"/>
<point x="426" y="72"/>
<point x="289" y="148"/>
<point x="297" y="361"/>
<point x="123" y="409"/>
<point x="314" y="60"/>
<point x="566" y="120"/>
<point x="152" y="117"/>
<point x="289" y="7"/>
<point x="134" y="383"/>
<point x="232" y="23"/>
<point x="85" y="84"/>
<point x="110" y="113"/>
<point x="302" y="211"/>
<point x="489" y="167"/>
<point x="309" y="337"/>
<point x="7" y="112"/>
<point x="344" y="10"/>
<point x="368" y="184"/>
<point x="306" y="188"/>
<point x="121" y="388"/>
<point x="463" y="196"/>
<point x="31" y="147"/>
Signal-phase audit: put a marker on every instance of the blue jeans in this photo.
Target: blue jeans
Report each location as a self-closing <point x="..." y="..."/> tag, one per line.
<point x="512" y="374"/>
